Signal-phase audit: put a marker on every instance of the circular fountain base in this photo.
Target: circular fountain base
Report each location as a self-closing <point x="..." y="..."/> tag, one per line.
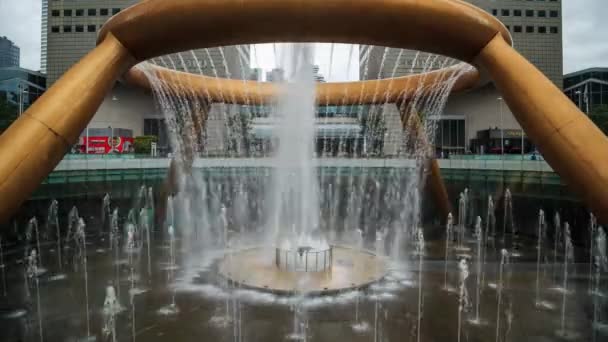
<point x="256" y="268"/>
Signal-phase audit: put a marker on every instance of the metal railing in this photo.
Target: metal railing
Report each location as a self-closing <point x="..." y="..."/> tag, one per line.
<point x="304" y="259"/>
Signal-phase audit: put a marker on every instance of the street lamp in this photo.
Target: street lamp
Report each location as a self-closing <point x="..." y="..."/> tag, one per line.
<point x="21" y="92"/>
<point x="502" y="131"/>
<point x="580" y="99"/>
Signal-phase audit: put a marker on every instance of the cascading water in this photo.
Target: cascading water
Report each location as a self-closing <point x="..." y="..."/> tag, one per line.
<point x="295" y="188"/>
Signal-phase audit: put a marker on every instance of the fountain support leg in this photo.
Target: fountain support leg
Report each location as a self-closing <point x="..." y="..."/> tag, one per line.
<point x="565" y="136"/>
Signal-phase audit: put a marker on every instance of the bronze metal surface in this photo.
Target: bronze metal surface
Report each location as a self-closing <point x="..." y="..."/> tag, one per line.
<point x="34" y="144"/>
<point x="570" y="142"/>
<point x="381" y="91"/>
<point x="452" y="28"/>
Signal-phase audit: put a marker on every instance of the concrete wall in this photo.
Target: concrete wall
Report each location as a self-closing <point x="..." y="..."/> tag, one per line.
<point x="481" y="109"/>
<point x="125" y="107"/>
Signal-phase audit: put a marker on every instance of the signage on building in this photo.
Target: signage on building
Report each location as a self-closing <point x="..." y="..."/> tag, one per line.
<point x="102" y="145"/>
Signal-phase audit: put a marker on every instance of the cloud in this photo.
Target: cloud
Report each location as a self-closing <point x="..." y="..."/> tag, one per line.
<point x="585" y="34"/>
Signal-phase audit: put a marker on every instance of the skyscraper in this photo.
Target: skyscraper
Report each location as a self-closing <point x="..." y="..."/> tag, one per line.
<point x="44" y="35"/>
<point x="9" y="53"/>
<point x="72" y="27"/>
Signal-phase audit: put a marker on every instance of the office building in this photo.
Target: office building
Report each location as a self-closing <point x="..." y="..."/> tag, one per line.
<point x="44" y="35"/>
<point x="9" y="53"/>
<point x="69" y="31"/>
<point x="588" y="89"/>
<point x="19" y="88"/>
<point x="536" y="28"/>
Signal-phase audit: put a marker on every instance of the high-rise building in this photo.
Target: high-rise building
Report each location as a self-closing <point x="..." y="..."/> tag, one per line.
<point x="44" y="35"/>
<point x="536" y="28"/>
<point x="9" y="53"/>
<point x="70" y="29"/>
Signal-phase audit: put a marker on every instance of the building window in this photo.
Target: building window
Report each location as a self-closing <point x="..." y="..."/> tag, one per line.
<point x="79" y="28"/>
<point x="529" y="29"/>
<point x="79" y="12"/>
<point x="67" y="28"/>
<point x="517" y="13"/>
<point x="91" y="28"/>
<point x="103" y="11"/>
<point x="495" y="12"/>
<point x="115" y="11"/>
<point x="67" y="13"/>
<point x="542" y="29"/>
<point x="92" y="12"/>
<point x="517" y="29"/>
<point x="542" y="13"/>
<point x="508" y="28"/>
<point x="554" y="14"/>
<point x="529" y="13"/>
<point x="554" y="29"/>
<point x="55" y="29"/>
<point x="505" y="12"/>
<point x="55" y="13"/>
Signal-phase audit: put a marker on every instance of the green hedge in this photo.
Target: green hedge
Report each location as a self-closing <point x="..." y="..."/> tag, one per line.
<point x="142" y="143"/>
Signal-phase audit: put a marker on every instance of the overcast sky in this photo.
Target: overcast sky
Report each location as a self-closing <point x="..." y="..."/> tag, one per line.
<point x="585" y="37"/>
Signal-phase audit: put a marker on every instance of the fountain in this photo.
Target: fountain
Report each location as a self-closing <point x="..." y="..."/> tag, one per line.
<point x="303" y="229"/>
<point x="592" y="232"/>
<point x="504" y="260"/>
<point x="449" y="231"/>
<point x="479" y="234"/>
<point x="53" y="221"/>
<point x="171" y="309"/>
<point x="105" y="212"/>
<point x="564" y="332"/>
<point x="541" y="234"/>
<point x="32" y="274"/>
<point x="111" y="307"/>
<point x="557" y="236"/>
<point x="31" y="232"/>
<point x="461" y="249"/>
<point x="600" y="264"/>
<point x="463" y="298"/>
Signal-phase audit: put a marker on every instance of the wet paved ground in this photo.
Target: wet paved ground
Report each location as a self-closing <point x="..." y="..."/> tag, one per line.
<point x="210" y="310"/>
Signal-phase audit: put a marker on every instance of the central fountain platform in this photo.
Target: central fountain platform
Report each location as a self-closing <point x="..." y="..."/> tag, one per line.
<point x="335" y="269"/>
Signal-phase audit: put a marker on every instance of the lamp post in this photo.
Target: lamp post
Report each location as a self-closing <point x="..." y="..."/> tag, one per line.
<point x="587" y="99"/>
<point x="580" y="98"/>
<point x="502" y="131"/>
<point x="21" y="92"/>
<point x="522" y="143"/>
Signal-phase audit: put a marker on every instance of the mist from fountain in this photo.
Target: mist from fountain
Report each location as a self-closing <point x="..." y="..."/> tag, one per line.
<point x="592" y="231"/>
<point x="557" y="236"/>
<point x="600" y="325"/>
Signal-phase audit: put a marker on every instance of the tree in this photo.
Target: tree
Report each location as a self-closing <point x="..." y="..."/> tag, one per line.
<point x="8" y="112"/>
<point x="599" y="116"/>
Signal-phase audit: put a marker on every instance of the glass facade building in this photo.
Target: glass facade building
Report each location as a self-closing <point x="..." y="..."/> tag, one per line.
<point x="588" y="89"/>
<point x="9" y="53"/>
<point x="21" y="86"/>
